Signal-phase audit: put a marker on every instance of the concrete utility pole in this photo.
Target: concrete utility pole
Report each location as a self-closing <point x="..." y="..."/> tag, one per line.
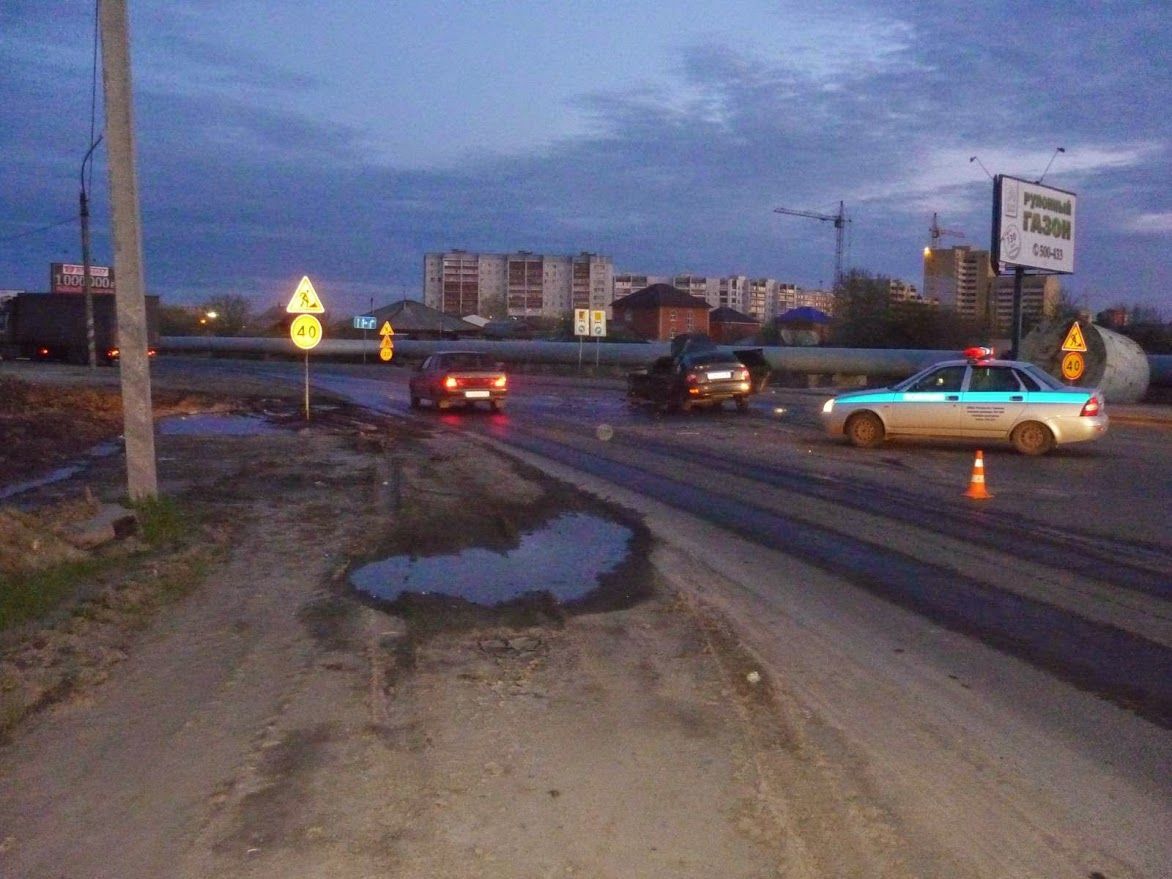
<point x="137" y="415"/>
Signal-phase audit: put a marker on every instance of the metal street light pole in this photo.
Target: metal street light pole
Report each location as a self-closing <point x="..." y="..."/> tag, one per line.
<point x="86" y="284"/>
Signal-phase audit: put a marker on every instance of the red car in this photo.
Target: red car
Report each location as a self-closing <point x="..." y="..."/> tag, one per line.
<point x="459" y="378"/>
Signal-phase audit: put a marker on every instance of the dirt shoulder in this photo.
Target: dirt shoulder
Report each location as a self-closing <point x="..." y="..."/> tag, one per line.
<point x="264" y="721"/>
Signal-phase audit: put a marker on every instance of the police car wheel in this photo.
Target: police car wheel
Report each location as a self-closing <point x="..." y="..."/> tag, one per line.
<point x="1032" y="438"/>
<point x="865" y="430"/>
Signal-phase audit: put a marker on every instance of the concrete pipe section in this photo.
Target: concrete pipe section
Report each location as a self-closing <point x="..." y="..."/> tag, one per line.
<point x="1114" y="364"/>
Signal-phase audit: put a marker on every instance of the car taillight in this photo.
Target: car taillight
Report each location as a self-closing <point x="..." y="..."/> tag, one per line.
<point x="692" y="378"/>
<point x="740" y="375"/>
<point x="42" y="352"/>
<point x="500" y="382"/>
<point x="451" y="382"/>
<point x="112" y="353"/>
<point x="1091" y="407"/>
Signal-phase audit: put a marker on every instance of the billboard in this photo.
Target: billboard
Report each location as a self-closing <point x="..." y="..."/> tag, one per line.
<point x="1033" y="226"/>
<point x="67" y="278"/>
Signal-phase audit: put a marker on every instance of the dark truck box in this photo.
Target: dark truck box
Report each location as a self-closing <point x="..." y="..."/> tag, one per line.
<point x="52" y="326"/>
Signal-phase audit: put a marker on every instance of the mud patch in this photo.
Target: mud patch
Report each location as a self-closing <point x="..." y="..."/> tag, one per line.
<point x="565" y="557"/>
<point x="272" y="816"/>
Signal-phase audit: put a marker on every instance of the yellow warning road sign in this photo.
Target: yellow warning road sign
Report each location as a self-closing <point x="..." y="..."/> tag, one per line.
<point x="1073" y="366"/>
<point x="305" y="331"/>
<point x="1074" y="339"/>
<point x="305" y="300"/>
<point x="386" y="347"/>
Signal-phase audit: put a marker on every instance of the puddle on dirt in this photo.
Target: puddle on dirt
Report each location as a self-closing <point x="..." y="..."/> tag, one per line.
<point x="215" y="425"/>
<point x="567" y="558"/>
<point x="102" y="450"/>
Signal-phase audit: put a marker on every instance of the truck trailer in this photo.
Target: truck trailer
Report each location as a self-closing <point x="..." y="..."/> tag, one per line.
<point x="52" y="326"/>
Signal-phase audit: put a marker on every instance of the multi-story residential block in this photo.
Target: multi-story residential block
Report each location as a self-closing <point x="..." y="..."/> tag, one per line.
<point x="699" y="286"/>
<point x="902" y="291"/>
<point x="823" y="300"/>
<point x="958" y="278"/>
<point x="1039" y="300"/>
<point x="962" y="279"/>
<point x="530" y="284"/>
<point x="626" y="283"/>
<point x="520" y="284"/>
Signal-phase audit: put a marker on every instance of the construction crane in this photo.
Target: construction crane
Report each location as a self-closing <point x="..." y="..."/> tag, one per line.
<point x="937" y="233"/>
<point x="839" y="220"/>
<point x="932" y="268"/>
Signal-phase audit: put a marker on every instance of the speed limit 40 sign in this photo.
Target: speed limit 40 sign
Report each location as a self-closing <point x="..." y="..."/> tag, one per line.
<point x="305" y="331"/>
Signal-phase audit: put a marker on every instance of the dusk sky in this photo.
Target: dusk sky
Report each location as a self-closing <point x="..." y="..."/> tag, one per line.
<point x="345" y="140"/>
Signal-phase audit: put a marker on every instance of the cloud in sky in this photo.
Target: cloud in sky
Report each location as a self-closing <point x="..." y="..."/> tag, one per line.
<point x="278" y="139"/>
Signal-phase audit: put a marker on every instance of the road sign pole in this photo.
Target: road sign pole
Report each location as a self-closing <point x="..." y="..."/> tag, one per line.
<point x="307" y="386"/>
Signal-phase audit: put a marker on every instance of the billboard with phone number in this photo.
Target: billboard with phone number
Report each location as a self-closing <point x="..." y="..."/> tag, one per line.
<point x="1033" y="226"/>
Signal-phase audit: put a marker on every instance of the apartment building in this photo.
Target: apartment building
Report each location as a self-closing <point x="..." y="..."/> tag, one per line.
<point x="902" y="291"/>
<point x="530" y="284"/>
<point x="958" y="278"/>
<point x="1039" y="300"/>
<point x="962" y="279"/>
<point x="520" y="284"/>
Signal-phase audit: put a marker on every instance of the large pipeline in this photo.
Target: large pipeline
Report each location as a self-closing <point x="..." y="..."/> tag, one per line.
<point x="875" y="363"/>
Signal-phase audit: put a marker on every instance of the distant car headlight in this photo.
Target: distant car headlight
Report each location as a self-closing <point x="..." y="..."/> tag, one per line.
<point x="828" y="406"/>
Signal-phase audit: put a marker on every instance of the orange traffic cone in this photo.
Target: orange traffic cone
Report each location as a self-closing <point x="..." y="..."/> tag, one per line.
<point x="976" y="487"/>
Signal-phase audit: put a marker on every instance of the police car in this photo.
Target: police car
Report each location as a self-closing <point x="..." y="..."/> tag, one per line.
<point x="978" y="398"/>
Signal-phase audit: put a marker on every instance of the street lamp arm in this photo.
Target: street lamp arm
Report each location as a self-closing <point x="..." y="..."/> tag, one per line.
<point x="88" y="156"/>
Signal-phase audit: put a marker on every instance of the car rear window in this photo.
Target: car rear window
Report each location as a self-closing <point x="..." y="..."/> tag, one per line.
<point x="466" y="361"/>
<point x="712" y="359"/>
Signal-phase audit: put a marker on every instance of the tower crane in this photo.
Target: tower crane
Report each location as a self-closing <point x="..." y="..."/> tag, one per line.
<point x="839" y="220"/>
<point x="937" y="233"/>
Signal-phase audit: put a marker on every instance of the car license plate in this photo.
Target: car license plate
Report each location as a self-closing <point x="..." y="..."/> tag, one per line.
<point x="476" y="395"/>
<point x="721" y="373"/>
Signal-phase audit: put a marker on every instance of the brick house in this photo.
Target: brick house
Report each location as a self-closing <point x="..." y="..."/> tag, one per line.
<point x="727" y="325"/>
<point x="661" y="312"/>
